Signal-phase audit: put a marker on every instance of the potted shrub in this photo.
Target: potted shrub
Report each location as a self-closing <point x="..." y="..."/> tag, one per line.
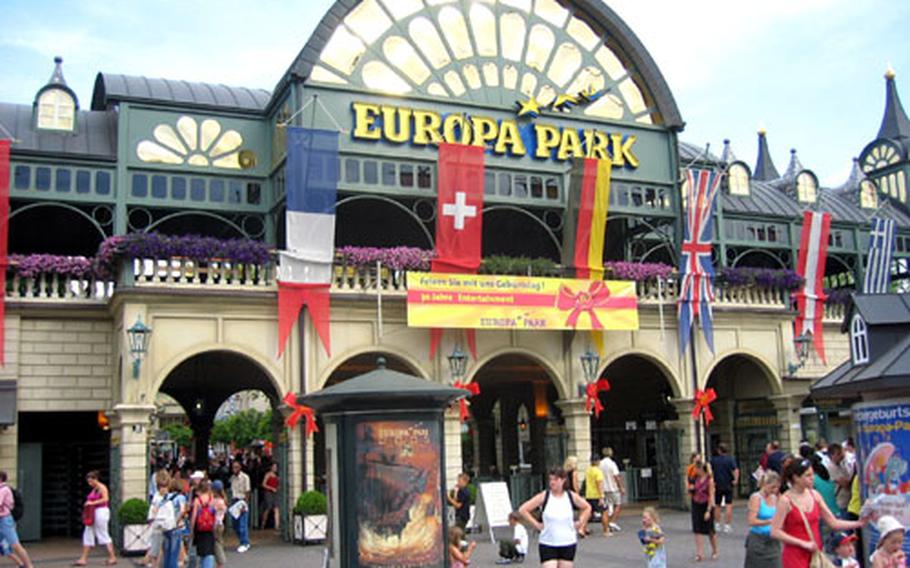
<point x="133" y="516"/>
<point x="310" y="520"/>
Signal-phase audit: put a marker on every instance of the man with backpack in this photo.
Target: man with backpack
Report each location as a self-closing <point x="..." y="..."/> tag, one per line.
<point x="11" y="509"/>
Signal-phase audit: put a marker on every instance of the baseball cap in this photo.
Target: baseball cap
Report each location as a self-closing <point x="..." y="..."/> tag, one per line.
<point x="198" y="474"/>
<point x="218" y="485"/>
<point x="838" y="538"/>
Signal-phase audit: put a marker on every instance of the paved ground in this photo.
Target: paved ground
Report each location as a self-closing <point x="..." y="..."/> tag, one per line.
<point x="620" y="550"/>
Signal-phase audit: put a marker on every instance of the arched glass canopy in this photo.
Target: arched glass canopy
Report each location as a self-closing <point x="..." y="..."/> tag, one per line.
<point x="485" y="51"/>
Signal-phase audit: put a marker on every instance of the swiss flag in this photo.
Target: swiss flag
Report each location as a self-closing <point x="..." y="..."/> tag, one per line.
<point x="459" y="217"/>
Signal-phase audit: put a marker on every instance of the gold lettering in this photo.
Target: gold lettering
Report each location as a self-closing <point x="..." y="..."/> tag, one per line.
<point x="622" y="151"/>
<point x="596" y="143"/>
<point x="509" y="136"/>
<point x="396" y="124"/>
<point x="426" y="127"/>
<point x="365" y="121"/>
<point x="485" y="130"/>
<point x="448" y="128"/>
<point x="569" y="145"/>
<point x="547" y="140"/>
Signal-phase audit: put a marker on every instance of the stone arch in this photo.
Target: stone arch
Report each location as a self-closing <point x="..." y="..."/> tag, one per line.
<point x="338" y="360"/>
<point x="760" y="361"/>
<point x="555" y="377"/>
<point x="655" y="359"/>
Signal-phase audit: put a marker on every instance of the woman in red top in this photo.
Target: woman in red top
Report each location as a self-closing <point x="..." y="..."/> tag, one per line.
<point x="801" y="501"/>
<point x="270" y="495"/>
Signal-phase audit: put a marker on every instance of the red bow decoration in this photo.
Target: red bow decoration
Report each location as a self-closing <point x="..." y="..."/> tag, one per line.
<point x="473" y="390"/>
<point x="596" y="296"/>
<point x="592" y="398"/>
<point x="290" y="399"/>
<point x="703" y="399"/>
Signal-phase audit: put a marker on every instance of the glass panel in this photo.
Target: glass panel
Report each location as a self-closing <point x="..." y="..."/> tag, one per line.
<point x="552" y="187"/>
<point x="536" y="187"/>
<point x="216" y="190"/>
<point x="388" y="174"/>
<point x="323" y="75"/>
<point x="424" y="177"/>
<point x="406" y="175"/>
<point x="582" y="33"/>
<point x="159" y="187"/>
<point x="520" y="4"/>
<point x="197" y="189"/>
<point x="491" y="74"/>
<point x="611" y="64"/>
<point x="540" y="44"/>
<point x="22" y="177"/>
<point x="64" y="180"/>
<point x="343" y="51"/>
<point x="588" y="79"/>
<point x="102" y="183"/>
<point x="607" y="106"/>
<point x="471" y="75"/>
<point x="528" y="84"/>
<point x="379" y="76"/>
<point x="456" y="32"/>
<point x="140" y="185"/>
<point x="401" y="9"/>
<point x="352" y="171"/>
<point x="424" y="35"/>
<point x="402" y="54"/>
<point x="512" y="31"/>
<point x="370" y="172"/>
<point x="83" y="181"/>
<point x="551" y="11"/>
<point x="178" y="188"/>
<point x="565" y="63"/>
<point x="253" y="193"/>
<point x="489" y="182"/>
<point x="368" y="20"/>
<point x="453" y="80"/>
<point x="505" y="185"/>
<point x="235" y="191"/>
<point x="632" y="96"/>
<point x="509" y="76"/>
<point x="437" y="90"/>
<point x="520" y="186"/>
<point x="545" y="95"/>
<point x="483" y="25"/>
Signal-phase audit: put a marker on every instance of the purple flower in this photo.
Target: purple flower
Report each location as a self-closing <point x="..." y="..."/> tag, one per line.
<point x="758" y="277"/>
<point x="637" y="271"/>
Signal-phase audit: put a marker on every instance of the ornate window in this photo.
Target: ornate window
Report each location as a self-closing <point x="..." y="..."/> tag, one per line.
<point x="868" y="197"/>
<point x="486" y="52"/>
<point x="56" y="110"/>
<point x="806" y="187"/>
<point x="859" y="340"/>
<point x="738" y="179"/>
<point x="195" y="144"/>
<point x="881" y="156"/>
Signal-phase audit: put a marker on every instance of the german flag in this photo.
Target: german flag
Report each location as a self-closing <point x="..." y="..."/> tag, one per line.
<point x="586" y="218"/>
<point x="586" y="223"/>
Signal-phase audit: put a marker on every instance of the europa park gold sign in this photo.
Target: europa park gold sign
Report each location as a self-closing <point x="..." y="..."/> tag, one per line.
<point x="508" y="137"/>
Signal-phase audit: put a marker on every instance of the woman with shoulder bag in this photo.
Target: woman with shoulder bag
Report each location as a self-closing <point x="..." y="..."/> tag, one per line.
<point x="796" y="521"/>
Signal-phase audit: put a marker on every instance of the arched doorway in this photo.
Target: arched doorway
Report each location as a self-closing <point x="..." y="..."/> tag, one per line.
<point x="636" y="423"/>
<point x="350" y="368"/>
<point x="516" y="430"/>
<point x="744" y="416"/>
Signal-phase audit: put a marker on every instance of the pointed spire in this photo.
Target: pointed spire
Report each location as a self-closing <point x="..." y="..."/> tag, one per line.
<point x="794" y="167"/>
<point x="853" y="180"/>
<point x="895" y="123"/>
<point x="57" y="76"/>
<point x="764" y="165"/>
<point x="727" y="156"/>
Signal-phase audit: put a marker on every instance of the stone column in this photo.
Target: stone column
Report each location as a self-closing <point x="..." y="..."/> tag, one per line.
<point x="688" y="443"/>
<point x="452" y="437"/>
<point x="130" y="424"/>
<point x="787" y="409"/>
<point x="578" y="425"/>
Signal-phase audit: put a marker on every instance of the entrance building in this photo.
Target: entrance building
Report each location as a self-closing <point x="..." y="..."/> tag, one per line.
<point x="539" y="84"/>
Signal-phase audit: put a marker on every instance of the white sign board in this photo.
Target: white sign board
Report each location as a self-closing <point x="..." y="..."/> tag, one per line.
<point x="493" y="506"/>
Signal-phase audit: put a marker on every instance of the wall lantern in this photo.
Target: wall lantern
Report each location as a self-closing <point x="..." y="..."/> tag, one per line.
<point x="590" y="361"/>
<point x="458" y="362"/>
<point x="139" y="336"/>
<point x="802" y="343"/>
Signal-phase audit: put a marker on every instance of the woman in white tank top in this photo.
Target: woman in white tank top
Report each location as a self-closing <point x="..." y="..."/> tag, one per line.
<point x="558" y="528"/>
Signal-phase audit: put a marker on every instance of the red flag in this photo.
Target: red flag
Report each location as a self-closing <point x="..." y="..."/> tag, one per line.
<point x="292" y="297"/>
<point x="459" y="219"/>
<point x="4" y="240"/>
<point x="810" y="300"/>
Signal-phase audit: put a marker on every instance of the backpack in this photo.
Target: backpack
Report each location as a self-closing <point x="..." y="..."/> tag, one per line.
<point x="166" y="516"/>
<point x="18" y="505"/>
<point x="546" y="498"/>
<point x="205" y="518"/>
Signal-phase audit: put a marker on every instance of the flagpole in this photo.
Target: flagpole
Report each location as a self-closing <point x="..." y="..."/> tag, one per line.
<point x="699" y="423"/>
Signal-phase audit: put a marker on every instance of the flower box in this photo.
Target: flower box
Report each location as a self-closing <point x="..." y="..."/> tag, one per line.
<point x="136" y="538"/>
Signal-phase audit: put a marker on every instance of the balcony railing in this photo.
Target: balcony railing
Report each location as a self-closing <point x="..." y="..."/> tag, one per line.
<point x="52" y="287"/>
<point x="183" y="272"/>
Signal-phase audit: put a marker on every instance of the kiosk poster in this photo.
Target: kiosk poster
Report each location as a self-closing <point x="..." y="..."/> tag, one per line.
<point x="399" y="497"/>
<point x="883" y="443"/>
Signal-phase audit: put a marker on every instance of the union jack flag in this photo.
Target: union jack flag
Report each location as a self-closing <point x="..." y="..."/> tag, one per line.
<point x="695" y="269"/>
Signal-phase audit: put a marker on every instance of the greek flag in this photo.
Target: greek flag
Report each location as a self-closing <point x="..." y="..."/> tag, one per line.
<point x="878" y="265"/>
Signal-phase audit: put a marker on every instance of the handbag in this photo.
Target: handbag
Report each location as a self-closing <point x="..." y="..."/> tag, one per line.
<point x="818" y="560"/>
<point x="88" y="515"/>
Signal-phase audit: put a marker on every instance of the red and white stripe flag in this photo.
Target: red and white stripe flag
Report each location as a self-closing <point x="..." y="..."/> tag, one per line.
<point x="810" y="300"/>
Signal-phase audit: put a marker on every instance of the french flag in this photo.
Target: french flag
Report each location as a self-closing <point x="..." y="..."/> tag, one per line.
<point x="305" y="270"/>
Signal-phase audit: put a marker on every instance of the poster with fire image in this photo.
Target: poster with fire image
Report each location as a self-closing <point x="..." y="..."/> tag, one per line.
<point x="399" y="499"/>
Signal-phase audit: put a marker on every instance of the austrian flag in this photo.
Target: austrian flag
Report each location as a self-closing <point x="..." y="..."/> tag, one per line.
<point x="810" y="300"/>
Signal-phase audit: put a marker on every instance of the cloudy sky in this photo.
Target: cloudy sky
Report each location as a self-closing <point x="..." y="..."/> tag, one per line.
<point x="809" y="71"/>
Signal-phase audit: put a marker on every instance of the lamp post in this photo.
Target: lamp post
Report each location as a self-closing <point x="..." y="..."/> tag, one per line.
<point x="458" y="362"/>
<point x="802" y="342"/>
<point x="590" y="361"/>
<point x="139" y="336"/>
